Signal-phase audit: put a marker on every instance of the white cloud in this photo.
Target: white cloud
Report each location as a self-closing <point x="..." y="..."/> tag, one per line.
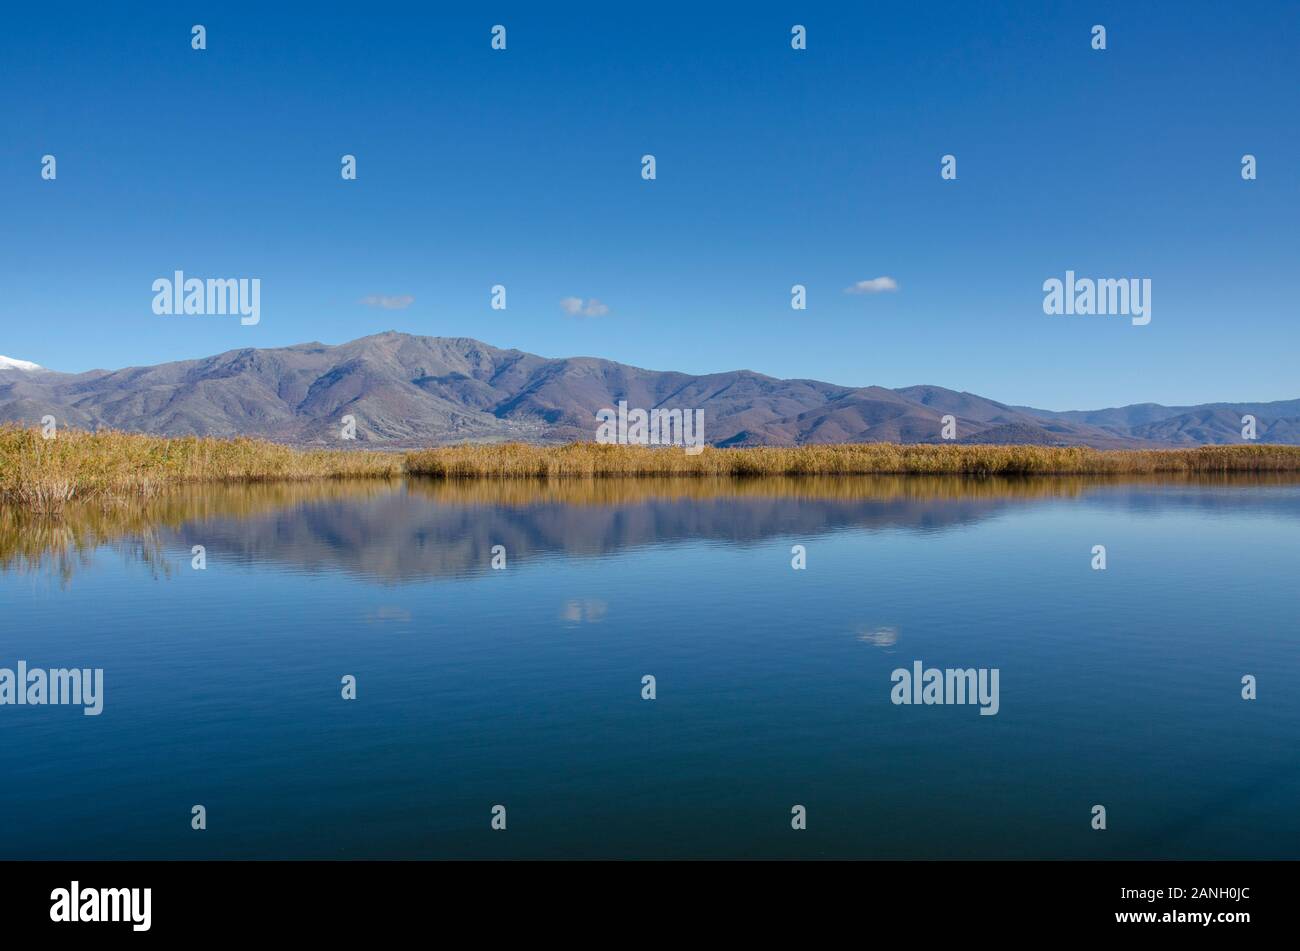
<point x="400" y="302"/>
<point x="874" y="286"/>
<point x="577" y="307"/>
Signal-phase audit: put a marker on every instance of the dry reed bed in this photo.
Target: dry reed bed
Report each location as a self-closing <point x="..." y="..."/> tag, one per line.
<point x="514" y="460"/>
<point x="42" y="475"/>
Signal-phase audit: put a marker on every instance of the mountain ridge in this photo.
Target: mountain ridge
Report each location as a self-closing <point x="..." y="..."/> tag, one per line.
<point x="407" y="390"/>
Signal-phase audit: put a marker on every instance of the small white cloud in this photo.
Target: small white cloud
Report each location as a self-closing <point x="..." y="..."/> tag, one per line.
<point x="388" y="303"/>
<point x="874" y="286"/>
<point x="577" y="307"/>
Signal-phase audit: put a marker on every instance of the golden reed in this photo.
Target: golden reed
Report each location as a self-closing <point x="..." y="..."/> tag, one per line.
<point x="593" y="459"/>
<point x="42" y="475"/>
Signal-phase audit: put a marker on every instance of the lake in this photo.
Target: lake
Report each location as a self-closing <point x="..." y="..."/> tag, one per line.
<point x="522" y="685"/>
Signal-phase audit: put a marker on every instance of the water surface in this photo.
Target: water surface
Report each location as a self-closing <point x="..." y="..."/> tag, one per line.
<point x="522" y="686"/>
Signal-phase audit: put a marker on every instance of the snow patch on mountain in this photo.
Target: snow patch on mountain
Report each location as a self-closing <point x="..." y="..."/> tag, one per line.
<point x="9" y="363"/>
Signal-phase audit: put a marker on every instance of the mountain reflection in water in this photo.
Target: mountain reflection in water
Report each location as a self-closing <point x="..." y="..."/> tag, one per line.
<point x="405" y="531"/>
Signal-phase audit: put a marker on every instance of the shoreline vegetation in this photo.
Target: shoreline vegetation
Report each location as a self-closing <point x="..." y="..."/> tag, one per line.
<point x="595" y="460"/>
<point x="43" y="475"/>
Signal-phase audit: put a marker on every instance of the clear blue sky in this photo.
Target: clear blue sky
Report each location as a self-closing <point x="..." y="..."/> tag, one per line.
<point x="775" y="167"/>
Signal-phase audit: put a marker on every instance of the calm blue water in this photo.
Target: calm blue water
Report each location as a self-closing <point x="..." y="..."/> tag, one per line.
<point x="522" y="686"/>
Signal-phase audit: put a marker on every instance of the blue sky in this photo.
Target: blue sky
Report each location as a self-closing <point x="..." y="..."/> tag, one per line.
<point x="775" y="167"/>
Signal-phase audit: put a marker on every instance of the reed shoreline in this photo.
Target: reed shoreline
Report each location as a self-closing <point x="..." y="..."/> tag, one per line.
<point x="592" y="460"/>
<point x="42" y="475"/>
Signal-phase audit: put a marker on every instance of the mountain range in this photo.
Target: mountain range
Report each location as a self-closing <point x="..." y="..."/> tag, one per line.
<point x="406" y="390"/>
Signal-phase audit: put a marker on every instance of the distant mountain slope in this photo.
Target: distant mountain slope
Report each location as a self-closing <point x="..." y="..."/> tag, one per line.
<point x="407" y="390"/>
<point x="1208" y="423"/>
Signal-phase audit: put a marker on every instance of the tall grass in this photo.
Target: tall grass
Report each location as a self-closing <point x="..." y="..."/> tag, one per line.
<point x="593" y="459"/>
<point x="43" y="475"/>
